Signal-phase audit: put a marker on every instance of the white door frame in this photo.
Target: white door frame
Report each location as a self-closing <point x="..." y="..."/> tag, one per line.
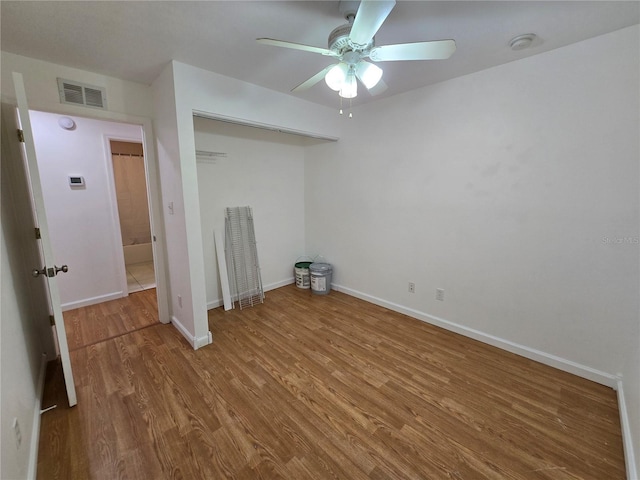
<point x="153" y="189"/>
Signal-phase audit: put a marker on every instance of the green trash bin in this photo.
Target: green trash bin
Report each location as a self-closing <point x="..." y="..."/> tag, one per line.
<point x="301" y="270"/>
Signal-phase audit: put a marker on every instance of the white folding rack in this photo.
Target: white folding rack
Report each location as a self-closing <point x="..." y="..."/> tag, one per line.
<point x="242" y="257"/>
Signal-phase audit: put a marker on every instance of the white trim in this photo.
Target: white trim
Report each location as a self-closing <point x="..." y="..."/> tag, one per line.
<point x="627" y="437"/>
<point x="281" y="283"/>
<point x="522" y="350"/>
<point x="35" y="427"/>
<point x="196" y="343"/>
<point x="203" y="341"/>
<point x="264" y="126"/>
<point x="181" y="328"/>
<point x="215" y="304"/>
<point x="85" y="302"/>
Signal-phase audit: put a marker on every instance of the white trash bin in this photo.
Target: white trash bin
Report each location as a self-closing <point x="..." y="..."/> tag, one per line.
<point x="320" y="278"/>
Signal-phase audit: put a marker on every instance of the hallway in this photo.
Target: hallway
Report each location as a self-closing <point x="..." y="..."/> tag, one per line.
<point x="96" y="323"/>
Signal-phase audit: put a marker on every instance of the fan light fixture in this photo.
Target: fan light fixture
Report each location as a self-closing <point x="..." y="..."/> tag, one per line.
<point x="350" y="86"/>
<point x="342" y="78"/>
<point x="369" y="74"/>
<point x="336" y="77"/>
<point x="351" y="43"/>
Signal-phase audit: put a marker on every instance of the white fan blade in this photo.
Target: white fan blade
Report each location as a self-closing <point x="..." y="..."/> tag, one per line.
<point x="371" y="15"/>
<point x="436" y="50"/>
<point x="378" y="89"/>
<point x="313" y="80"/>
<point x="296" y="46"/>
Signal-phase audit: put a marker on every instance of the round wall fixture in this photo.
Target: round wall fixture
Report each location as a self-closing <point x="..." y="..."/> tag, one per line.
<point x="66" y="123"/>
<point x="522" y="41"/>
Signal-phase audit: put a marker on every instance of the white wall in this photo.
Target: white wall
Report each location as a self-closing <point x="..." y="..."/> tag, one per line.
<point x="126" y="102"/>
<point x="21" y="352"/>
<point x="180" y="91"/>
<point x="41" y="84"/>
<point x="83" y="222"/>
<point x="166" y="128"/>
<point x="264" y="170"/>
<point x="510" y="189"/>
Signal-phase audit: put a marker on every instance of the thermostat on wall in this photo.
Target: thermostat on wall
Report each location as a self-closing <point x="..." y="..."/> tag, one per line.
<point x="76" y="181"/>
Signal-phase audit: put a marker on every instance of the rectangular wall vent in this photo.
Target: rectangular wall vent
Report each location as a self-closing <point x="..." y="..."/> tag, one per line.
<point x="76" y="93"/>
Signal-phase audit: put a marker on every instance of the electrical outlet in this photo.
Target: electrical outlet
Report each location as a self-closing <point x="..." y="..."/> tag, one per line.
<point x="17" y="433"/>
<point x="440" y="294"/>
<point x="180" y="301"/>
<point x="412" y="287"/>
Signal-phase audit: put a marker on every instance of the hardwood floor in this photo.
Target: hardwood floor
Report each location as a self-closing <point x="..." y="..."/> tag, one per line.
<point x="97" y="323"/>
<point x="320" y="387"/>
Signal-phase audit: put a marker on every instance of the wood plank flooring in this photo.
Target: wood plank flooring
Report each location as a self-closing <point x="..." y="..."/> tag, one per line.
<point x="97" y="323"/>
<point x="323" y="387"/>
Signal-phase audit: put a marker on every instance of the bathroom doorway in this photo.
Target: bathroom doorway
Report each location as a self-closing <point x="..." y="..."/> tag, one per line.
<point x="133" y="211"/>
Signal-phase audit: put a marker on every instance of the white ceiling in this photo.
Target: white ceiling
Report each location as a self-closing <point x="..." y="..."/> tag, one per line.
<point x="135" y="40"/>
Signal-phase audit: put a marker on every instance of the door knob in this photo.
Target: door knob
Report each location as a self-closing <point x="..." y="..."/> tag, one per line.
<point x="63" y="269"/>
<point x="50" y="272"/>
<point x="35" y="272"/>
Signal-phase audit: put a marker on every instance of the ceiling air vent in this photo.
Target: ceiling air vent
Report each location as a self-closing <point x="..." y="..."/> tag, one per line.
<point x="80" y="94"/>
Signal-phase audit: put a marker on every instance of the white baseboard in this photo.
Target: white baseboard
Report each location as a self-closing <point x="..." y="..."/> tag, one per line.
<point x="195" y="342"/>
<point x="627" y="437"/>
<point x="522" y="350"/>
<point x="214" y="304"/>
<point x="281" y="283"/>
<point x="92" y="301"/>
<point x="35" y="428"/>
<point x="199" y="342"/>
<point x="272" y="286"/>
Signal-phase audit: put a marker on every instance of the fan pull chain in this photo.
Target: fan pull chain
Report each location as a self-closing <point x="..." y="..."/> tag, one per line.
<point x="349" y="110"/>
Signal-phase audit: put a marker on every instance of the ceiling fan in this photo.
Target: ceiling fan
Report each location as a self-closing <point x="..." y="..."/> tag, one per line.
<point x="354" y="42"/>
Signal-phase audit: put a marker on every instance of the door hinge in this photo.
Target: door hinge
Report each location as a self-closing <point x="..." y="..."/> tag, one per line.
<point x="52" y="320"/>
<point x="38" y="237"/>
<point x="20" y="136"/>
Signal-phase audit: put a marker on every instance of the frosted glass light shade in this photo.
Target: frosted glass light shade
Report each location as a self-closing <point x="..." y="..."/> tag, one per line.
<point x="369" y="74"/>
<point x="336" y="77"/>
<point x="350" y="87"/>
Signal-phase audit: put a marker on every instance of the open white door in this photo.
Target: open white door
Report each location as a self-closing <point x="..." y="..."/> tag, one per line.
<point x="47" y="267"/>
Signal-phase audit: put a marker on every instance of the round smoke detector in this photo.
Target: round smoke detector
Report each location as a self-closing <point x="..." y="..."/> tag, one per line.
<point x="522" y="41"/>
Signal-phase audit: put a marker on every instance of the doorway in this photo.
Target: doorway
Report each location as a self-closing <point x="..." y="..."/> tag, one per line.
<point x="80" y="199"/>
<point x="127" y="159"/>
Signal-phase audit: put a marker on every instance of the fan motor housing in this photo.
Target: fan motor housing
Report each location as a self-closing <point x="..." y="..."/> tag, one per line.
<point x="339" y="39"/>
